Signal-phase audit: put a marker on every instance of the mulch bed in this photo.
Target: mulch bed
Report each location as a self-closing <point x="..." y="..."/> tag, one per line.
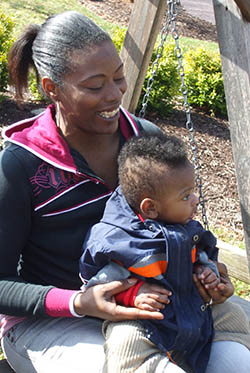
<point x="118" y="12"/>
<point x="211" y="134"/>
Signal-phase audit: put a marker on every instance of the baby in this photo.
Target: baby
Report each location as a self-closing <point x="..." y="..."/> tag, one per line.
<point x="148" y="230"/>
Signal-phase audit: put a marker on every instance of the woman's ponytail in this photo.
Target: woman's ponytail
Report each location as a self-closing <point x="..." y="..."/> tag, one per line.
<point x="20" y="60"/>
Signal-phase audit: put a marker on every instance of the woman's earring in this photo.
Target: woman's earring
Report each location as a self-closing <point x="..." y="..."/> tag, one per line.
<point x="57" y="114"/>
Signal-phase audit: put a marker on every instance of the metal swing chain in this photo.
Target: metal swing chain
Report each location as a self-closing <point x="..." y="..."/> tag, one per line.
<point x="155" y="65"/>
<point x="171" y="15"/>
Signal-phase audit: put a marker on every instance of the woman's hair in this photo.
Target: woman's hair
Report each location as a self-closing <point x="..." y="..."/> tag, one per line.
<point x="48" y="48"/>
<point x="142" y="163"/>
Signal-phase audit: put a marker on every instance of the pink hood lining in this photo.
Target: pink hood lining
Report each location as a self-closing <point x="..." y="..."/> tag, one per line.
<point x="40" y="136"/>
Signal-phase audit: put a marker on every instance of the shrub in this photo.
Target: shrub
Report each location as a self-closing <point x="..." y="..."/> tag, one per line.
<point x="6" y="28"/>
<point x="166" y="82"/>
<point x="204" y="80"/>
<point x="6" y="40"/>
<point x="36" y="90"/>
<point x="118" y="36"/>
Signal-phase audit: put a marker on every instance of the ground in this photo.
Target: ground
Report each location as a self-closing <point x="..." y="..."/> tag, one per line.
<point x="211" y="134"/>
<point x="118" y="11"/>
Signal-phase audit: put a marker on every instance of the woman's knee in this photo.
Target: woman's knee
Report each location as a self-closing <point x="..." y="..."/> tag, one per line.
<point x="228" y="357"/>
<point x="55" y="345"/>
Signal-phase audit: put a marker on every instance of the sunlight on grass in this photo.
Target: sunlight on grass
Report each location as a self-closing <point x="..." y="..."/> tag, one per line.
<point x="228" y="236"/>
<point x="187" y="43"/>
<point x="241" y="288"/>
<point x="37" y="11"/>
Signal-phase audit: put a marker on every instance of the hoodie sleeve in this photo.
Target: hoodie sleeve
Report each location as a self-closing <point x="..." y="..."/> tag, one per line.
<point x="208" y="244"/>
<point x="93" y="272"/>
<point x="17" y="297"/>
<point x="93" y="258"/>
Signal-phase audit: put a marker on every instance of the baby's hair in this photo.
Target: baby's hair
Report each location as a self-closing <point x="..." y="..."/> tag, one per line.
<point x="140" y="164"/>
<point x="48" y="48"/>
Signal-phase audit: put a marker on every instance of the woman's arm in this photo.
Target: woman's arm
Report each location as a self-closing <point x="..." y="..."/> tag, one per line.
<point x="17" y="297"/>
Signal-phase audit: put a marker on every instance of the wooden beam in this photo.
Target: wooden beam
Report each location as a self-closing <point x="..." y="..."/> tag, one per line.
<point x="235" y="260"/>
<point x="144" y="25"/>
<point x="233" y="37"/>
<point x="244" y="6"/>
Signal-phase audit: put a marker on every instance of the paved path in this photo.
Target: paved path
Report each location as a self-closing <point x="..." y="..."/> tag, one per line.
<point x="202" y="9"/>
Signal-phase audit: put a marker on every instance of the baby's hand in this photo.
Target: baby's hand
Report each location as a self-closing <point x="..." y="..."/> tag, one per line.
<point x="207" y="277"/>
<point x="151" y="297"/>
<point x="225" y="288"/>
<point x="222" y="292"/>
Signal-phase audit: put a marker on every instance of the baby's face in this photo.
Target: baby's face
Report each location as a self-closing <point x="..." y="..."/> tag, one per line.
<point x="177" y="202"/>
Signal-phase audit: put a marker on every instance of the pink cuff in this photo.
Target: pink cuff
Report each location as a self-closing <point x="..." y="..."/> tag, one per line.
<point x="57" y="302"/>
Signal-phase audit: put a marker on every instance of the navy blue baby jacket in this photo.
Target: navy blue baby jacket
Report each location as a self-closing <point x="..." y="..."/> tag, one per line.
<point x="159" y="253"/>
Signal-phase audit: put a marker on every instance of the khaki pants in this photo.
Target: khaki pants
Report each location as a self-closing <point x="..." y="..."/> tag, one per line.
<point x="128" y="349"/>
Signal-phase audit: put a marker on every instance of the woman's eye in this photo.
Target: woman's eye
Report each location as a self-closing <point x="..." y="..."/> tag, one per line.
<point x="94" y="88"/>
<point x="186" y="197"/>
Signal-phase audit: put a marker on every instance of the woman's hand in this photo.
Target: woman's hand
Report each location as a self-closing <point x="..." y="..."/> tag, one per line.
<point x="151" y="297"/>
<point x="99" y="301"/>
<point x="223" y="290"/>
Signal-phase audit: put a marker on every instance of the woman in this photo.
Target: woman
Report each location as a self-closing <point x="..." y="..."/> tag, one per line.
<point x="56" y="175"/>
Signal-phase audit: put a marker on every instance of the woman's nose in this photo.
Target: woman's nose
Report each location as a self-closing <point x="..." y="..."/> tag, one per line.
<point x="114" y="91"/>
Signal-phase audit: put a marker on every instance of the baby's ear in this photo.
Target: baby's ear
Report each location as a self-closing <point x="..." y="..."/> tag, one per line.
<point x="148" y="208"/>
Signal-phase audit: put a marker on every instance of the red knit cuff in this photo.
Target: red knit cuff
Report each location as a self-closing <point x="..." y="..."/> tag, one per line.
<point x="127" y="297"/>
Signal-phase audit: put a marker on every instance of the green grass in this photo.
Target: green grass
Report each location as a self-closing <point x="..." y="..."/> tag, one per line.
<point x="241" y="288"/>
<point x="187" y="43"/>
<point x="37" y="11"/>
<point x="228" y="236"/>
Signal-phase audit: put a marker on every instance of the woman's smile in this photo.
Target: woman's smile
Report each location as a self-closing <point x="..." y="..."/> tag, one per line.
<point x="110" y="114"/>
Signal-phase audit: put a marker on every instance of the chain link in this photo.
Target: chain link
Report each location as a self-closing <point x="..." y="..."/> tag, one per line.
<point x="171" y="15"/>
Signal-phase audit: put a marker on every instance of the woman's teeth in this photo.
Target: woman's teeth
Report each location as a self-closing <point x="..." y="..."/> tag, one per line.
<point x="109" y="114"/>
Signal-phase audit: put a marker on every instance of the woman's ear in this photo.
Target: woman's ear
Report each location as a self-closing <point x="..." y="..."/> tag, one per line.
<point x="149" y="209"/>
<point x="50" y="88"/>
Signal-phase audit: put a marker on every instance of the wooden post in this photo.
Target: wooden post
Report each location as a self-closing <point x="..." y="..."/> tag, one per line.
<point x="144" y="26"/>
<point x="244" y="6"/>
<point x="234" y="37"/>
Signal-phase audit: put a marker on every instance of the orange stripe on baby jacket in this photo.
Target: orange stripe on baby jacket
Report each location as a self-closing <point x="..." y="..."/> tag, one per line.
<point x="150" y="270"/>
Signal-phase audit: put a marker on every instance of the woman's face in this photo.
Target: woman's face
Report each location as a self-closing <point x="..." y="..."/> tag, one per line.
<point x="90" y="96"/>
